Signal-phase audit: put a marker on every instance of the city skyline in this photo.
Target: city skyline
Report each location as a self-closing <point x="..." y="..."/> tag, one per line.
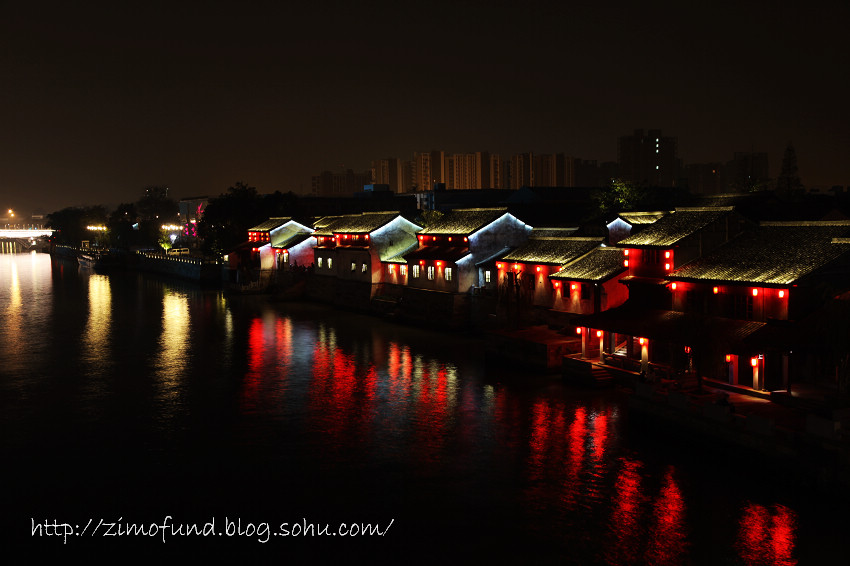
<point x="102" y="101"/>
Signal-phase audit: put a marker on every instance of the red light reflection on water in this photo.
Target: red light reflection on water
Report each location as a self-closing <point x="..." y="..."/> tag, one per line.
<point x="667" y="541"/>
<point x="765" y="537"/>
<point x="625" y="528"/>
<point x="269" y="352"/>
<point x="600" y="434"/>
<point x="342" y="392"/>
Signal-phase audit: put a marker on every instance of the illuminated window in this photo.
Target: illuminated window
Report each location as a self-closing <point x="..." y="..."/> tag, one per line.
<point x="448" y="273"/>
<point x="330" y="263"/>
<point x="391" y="268"/>
<point x="431" y="272"/>
<point x="487" y="276"/>
<point x="415" y="272"/>
<point x="403" y="270"/>
<point x="364" y="267"/>
<point x="353" y="266"/>
<point x="319" y="262"/>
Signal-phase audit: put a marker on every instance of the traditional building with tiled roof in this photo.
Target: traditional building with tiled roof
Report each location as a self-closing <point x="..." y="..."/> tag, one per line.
<point x="628" y="223"/>
<point x="352" y="251"/>
<point x="456" y="256"/>
<point x="281" y="242"/>
<point x="674" y="240"/>
<point x="775" y="275"/>
<point x="590" y="284"/>
<point x="531" y="265"/>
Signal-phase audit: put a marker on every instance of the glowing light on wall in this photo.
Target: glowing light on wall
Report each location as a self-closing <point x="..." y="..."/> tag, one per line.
<point x="728" y="358"/>
<point x="755" y="292"/>
<point x="557" y="284"/>
<point x="626" y="253"/>
<point x="673" y="286"/>
<point x="716" y="290"/>
<point x="578" y="330"/>
<point x="599" y="334"/>
<point x="573" y="286"/>
<point x="667" y="255"/>
<point x="666" y="267"/>
<point x="754" y="362"/>
<point x="538" y="269"/>
<point x="641" y="341"/>
<point x="781" y="294"/>
<point x="499" y="266"/>
<point x="625" y="263"/>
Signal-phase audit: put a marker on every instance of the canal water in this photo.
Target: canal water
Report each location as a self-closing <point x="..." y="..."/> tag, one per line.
<point x="127" y="399"/>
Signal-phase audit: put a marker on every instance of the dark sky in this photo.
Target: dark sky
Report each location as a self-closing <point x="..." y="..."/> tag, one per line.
<point x="98" y="102"/>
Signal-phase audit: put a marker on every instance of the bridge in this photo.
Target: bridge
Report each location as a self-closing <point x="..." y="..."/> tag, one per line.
<point x="24" y="233"/>
<point x="22" y="239"/>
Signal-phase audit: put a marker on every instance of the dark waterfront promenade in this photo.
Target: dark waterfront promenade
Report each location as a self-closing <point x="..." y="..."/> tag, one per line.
<point x="128" y="398"/>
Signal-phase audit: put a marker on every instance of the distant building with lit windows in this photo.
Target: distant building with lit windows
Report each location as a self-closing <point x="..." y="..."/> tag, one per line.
<point x="649" y="158"/>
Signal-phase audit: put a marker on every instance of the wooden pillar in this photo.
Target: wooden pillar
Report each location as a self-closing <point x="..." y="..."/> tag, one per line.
<point x="584" y="343"/>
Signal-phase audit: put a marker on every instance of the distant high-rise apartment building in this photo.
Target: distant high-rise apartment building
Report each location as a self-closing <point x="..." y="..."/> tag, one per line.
<point x="553" y="170"/>
<point x="468" y="171"/>
<point x="346" y="183"/>
<point x="500" y="172"/>
<point x="429" y="168"/>
<point x="522" y="171"/>
<point x="649" y="159"/>
<point x="747" y="171"/>
<point x="705" y="178"/>
<point x="542" y="170"/>
<point x="390" y="172"/>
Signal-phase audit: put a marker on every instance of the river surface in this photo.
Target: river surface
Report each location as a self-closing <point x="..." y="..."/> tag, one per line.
<point x="128" y="399"/>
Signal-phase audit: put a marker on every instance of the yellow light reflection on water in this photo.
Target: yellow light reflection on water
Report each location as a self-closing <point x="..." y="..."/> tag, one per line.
<point x="174" y="344"/>
<point x="99" y="324"/>
<point x="14" y="311"/>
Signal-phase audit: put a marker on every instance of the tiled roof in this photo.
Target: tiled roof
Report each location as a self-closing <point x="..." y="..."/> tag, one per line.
<point x="634" y="218"/>
<point x="289" y="239"/>
<point x="675" y="226"/>
<point x="353" y="223"/>
<point x="776" y="253"/>
<point x="464" y="221"/>
<point x="270" y="224"/>
<point x="601" y="264"/>
<point x="557" y="250"/>
<point x="443" y="253"/>
<point x="540" y="233"/>
<point x="396" y="253"/>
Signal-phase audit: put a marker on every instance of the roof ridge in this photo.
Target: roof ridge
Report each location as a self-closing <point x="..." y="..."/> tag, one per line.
<point x="704" y="209"/>
<point x="802" y="223"/>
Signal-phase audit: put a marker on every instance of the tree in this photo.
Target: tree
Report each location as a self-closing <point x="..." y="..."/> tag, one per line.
<point x="120" y="224"/>
<point x="788" y="180"/>
<point x="154" y="209"/>
<point x="228" y="217"/>
<point x="620" y="195"/>
<point x="70" y="224"/>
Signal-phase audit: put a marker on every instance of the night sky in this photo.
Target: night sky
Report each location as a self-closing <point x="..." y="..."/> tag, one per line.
<point x="100" y="101"/>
